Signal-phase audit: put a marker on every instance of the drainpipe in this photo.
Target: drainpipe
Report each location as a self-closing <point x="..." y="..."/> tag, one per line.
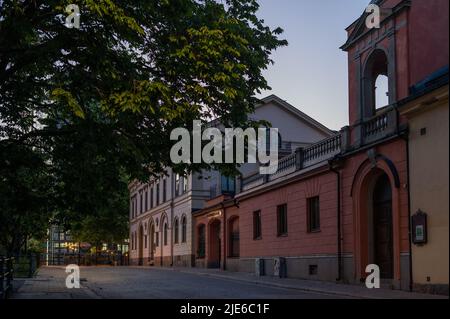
<point x="225" y="239"/>
<point x="172" y="195"/>
<point x="339" y="244"/>
<point x="411" y="285"/>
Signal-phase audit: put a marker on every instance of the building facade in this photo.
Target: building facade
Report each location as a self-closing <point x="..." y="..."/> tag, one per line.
<point x="161" y="221"/>
<point x="346" y="202"/>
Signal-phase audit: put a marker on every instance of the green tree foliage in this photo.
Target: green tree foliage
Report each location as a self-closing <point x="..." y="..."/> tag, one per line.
<point x="97" y="104"/>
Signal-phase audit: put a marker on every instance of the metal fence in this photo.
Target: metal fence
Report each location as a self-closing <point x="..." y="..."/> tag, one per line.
<point x="115" y="259"/>
<point x="26" y="265"/>
<point x="6" y="276"/>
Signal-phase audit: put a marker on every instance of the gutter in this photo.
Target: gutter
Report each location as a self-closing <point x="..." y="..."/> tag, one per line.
<point x="335" y="170"/>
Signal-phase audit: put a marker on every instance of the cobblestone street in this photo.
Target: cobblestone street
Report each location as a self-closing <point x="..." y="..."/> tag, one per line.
<point x="157" y="283"/>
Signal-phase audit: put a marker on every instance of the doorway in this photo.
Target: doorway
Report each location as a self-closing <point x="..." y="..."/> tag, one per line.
<point x="382" y="227"/>
<point x="214" y="259"/>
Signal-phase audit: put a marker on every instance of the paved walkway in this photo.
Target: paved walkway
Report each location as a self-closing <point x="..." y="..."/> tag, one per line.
<point x="187" y="283"/>
<point x="337" y="289"/>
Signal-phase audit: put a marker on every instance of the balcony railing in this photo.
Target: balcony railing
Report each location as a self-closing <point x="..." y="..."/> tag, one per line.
<point x="322" y="151"/>
<point x="302" y="158"/>
<point x="373" y="130"/>
<point x="379" y="126"/>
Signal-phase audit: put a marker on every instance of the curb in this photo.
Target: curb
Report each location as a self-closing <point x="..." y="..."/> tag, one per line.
<point x="277" y="285"/>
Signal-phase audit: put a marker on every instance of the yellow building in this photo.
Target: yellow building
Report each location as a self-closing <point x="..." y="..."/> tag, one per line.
<point x="428" y="119"/>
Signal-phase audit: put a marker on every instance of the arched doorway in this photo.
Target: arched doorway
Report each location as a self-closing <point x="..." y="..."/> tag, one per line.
<point x="214" y="256"/>
<point x="141" y="245"/>
<point x="382" y="227"/>
<point x="376" y="197"/>
<point x="152" y="244"/>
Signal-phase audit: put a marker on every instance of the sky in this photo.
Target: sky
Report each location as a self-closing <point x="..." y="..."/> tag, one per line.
<point x="311" y="72"/>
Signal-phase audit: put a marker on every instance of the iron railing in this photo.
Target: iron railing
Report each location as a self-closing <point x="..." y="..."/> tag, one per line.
<point x="6" y="276"/>
<point x="373" y="130"/>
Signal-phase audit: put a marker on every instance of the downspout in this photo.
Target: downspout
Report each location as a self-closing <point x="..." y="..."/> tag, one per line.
<point x="172" y="195"/>
<point x="411" y="285"/>
<point x="339" y="235"/>
<point x="225" y="239"/>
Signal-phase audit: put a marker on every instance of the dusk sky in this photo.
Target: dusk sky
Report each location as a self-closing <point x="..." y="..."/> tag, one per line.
<point x="311" y="72"/>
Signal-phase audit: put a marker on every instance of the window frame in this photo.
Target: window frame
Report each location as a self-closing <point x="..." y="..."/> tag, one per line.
<point x="183" y="229"/>
<point x="257" y="225"/>
<point x="165" y="234"/>
<point x="176" y="231"/>
<point x="282" y="223"/>
<point x="313" y="203"/>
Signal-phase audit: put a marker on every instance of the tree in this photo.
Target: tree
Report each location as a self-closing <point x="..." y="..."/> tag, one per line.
<point x="100" y="101"/>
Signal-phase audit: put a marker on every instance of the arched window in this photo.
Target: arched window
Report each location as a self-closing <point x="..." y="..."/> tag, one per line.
<point x="376" y="83"/>
<point x="166" y="230"/>
<point x="381" y="91"/>
<point x="152" y="236"/>
<point x="233" y="228"/>
<point x="183" y="229"/>
<point x="201" y="241"/>
<point x="175" y="229"/>
<point x="156" y="239"/>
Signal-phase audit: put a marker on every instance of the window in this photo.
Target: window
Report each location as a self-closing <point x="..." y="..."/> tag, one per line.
<point x="176" y="226"/>
<point x="156" y="239"/>
<point x="375" y="80"/>
<point x="177" y="184"/>
<point x="381" y="91"/>
<point x="141" y="207"/>
<point x="131" y="208"/>
<point x="146" y="199"/>
<point x="313" y="214"/>
<point x="151" y="197"/>
<point x="201" y="241"/>
<point x="145" y="241"/>
<point x="157" y="194"/>
<point x="234" y="237"/>
<point x="152" y="236"/>
<point x="227" y="184"/>
<point x="270" y="140"/>
<point x="313" y="270"/>
<point x="282" y="226"/>
<point x="183" y="229"/>
<point x="185" y="184"/>
<point x="257" y="225"/>
<point x="164" y="190"/>
<point x="166" y="230"/>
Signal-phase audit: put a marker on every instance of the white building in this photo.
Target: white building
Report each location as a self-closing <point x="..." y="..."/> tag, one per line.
<point x="161" y="211"/>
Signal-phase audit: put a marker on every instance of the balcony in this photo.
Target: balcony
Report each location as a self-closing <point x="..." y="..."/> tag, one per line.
<point x="382" y="125"/>
<point x="376" y="129"/>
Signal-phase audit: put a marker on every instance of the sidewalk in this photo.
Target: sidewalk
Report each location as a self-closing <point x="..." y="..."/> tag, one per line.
<point x="353" y="291"/>
<point x="48" y="285"/>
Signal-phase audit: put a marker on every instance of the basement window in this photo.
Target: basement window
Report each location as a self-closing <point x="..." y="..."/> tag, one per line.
<point x="313" y="270"/>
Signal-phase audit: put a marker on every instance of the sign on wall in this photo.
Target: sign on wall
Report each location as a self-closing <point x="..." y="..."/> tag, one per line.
<point x="419" y="228"/>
